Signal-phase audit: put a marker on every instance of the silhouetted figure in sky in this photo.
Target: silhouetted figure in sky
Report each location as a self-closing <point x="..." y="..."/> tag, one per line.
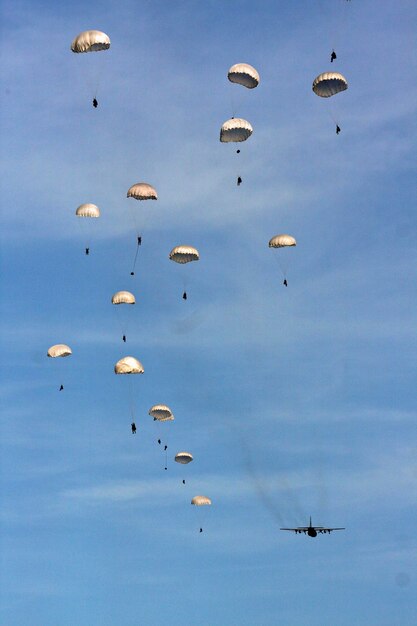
<point x="338" y="129"/>
<point x="166" y="448"/>
<point x="285" y="282"/>
<point x="183" y="482"/>
<point x="95" y="103"/>
<point x="159" y="441"/>
<point x="333" y="56"/>
<point x="237" y="151"/>
<point x="133" y="426"/>
<point x="201" y="530"/>
<point x="87" y="251"/>
<point x="139" y="241"/>
<point x="132" y="273"/>
<point x="184" y="295"/>
<point x="61" y="388"/>
<point x="124" y="338"/>
<point x="239" y="181"/>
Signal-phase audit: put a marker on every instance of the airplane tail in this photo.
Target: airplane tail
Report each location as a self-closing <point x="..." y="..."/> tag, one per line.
<point x="310" y="522"/>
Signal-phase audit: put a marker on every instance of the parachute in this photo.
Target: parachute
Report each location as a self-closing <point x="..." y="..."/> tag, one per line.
<point x="200" y="500"/>
<point x="244" y="74"/>
<point x="184" y="254"/>
<point x="234" y="130"/>
<point x="128" y="365"/>
<point x="60" y="349"/>
<point x="123" y="297"/>
<point x="90" y="41"/>
<point x="183" y="457"/>
<point x="282" y="241"/>
<point x="161" y="413"/>
<point x="87" y="210"/>
<point x="142" y="191"/>
<point x="329" y="84"/>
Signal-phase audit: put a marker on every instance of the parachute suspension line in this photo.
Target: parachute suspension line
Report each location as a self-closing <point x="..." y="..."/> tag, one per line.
<point x="138" y="243"/>
<point x="131" y="400"/>
<point x="166" y="459"/>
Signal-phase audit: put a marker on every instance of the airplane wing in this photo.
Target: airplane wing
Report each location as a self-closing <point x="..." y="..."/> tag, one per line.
<point x="320" y="529"/>
<point x="301" y="529"/>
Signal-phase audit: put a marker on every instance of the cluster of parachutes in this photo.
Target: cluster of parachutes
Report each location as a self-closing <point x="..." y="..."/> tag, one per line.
<point x="233" y="130"/>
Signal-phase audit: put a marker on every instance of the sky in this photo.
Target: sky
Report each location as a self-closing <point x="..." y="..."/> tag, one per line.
<point x="295" y="401"/>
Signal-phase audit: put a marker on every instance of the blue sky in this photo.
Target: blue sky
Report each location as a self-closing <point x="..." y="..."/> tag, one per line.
<point x="294" y="402"/>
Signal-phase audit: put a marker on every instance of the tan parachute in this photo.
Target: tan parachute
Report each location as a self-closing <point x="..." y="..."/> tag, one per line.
<point x="123" y="297"/>
<point x="200" y="500"/>
<point x="244" y="74"/>
<point x="59" y="349"/>
<point x="142" y="191"/>
<point x="184" y="254"/>
<point x="128" y="365"/>
<point x="282" y="241"/>
<point x="234" y="130"/>
<point x="161" y="413"/>
<point x="183" y="457"/>
<point x="329" y="84"/>
<point x="87" y="210"/>
<point x="90" y="41"/>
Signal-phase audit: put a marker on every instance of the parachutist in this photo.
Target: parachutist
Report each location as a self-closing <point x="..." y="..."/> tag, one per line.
<point x="338" y="129"/>
<point x="184" y="295"/>
<point x="87" y="251"/>
<point x="285" y="282"/>
<point x="139" y="241"/>
<point x="165" y="468"/>
<point x="237" y="151"/>
<point x="201" y="530"/>
<point x="61" y="388"/>
<point x="95" y="103"/>
<point x="124" y="338"/>
<point x="239" y="181"/>
<point x="159" y="441"/>
<point x="132" y="273"/>
<point x="333" y="56"/>
<point x="133" y="426"/>
<point x="166" y="447"/>
<point x="183" y="482"/>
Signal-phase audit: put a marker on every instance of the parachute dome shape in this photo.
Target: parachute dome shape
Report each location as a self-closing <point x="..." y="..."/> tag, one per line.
<point x="161" y="412"/>
<point x="282" y="241"/>
<point x="200" y="500"/>
<point x="123" y="297"/>
<point x="60" y="349"/>
<point x="184" y="254"/>
<point x="183" y="457"/>
<point x="142" y="191"/>
<point x="90" y="41"/>
<point x="128" y="365"/>
<point x="87" y="210"/>
<point x="236" y="129"/>
<point x="244" y="74"/>
<point x="328" y="84"/>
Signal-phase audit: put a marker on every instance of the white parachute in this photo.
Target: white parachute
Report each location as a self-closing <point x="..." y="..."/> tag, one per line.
<point x="200" y="501"/>
<point x="329" y="84"/>
<point x="235" y="130"/>
<point x="244" y="74"/>
<point x="87" y="210"/>
<point x="282" y="241"/>
<point x="59" y="350"/>
<point x="123" y="297"/>
<point x="161" y="413"/>
<point x="184" y="254"/>
<point x="142" y="191"/>
<point x="128" y="365"/>
<point x="90" y="41"/>
<point x="183" y="458"/>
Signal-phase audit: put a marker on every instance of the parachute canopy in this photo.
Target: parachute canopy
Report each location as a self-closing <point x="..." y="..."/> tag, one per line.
<point x="236" y="129"/>
<point x="184" y="254"/>
<point x="128" y="365"/>
<point x="244" y="74"/>
<point x="90" y="41"/>
<point x="87" y="210"/>
<point x="161" y="412"/>
<point x="123" y="297"/>
<point x="282" y="241"/>
<point x="328" y="84"/>
<point x="183" y="457"/>
<point x="200" y="500"/>
<point x="142" y="191"/>
<point x="60" y="349"/>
